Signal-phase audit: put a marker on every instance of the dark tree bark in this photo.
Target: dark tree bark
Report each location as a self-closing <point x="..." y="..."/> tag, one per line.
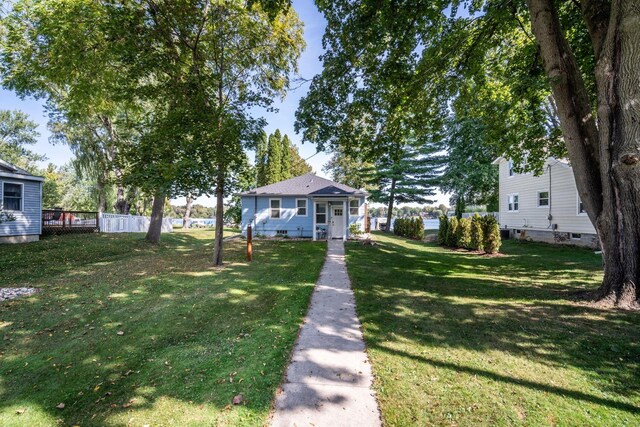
<point x="217" y="244"/>
<point x="392" y="196"/>
<point x="605" y="157"/>
<point x="187" y="212"/>
<point x="121" y="206"/>
<point x="102" y="199"/>
<point x="157" y="212"/>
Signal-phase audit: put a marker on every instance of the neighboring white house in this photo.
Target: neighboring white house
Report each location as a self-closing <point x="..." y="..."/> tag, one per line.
<point x="546" y="207"/>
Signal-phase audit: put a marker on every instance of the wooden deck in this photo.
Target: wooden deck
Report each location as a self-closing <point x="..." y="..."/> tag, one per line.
<point x="56" y="221"/>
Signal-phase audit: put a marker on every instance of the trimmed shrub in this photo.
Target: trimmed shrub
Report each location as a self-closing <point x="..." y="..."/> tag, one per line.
<point x="412" y="228"/>
<point x="443" y="228"/>
<point x="477" y="238"/>
<point x="491" y="234"/>
<point x="452" y="231"/>
<point x="354" y="230"/>
<point x="464" y="233"/>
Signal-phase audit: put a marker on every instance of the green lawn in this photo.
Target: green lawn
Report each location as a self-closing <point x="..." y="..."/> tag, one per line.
<point x="462" y="339"/>
<point x="193" y="336"/>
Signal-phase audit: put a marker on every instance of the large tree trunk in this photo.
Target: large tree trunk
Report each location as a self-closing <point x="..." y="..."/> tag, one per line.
<point x="157" y="212"/>
<point x="392" y="196"/>
<point x="605" y="158"/>
<point x="121" y="206"/>
<point x="102" y="198"/>
<point x="217" y="244"/>
<point x="187" y="212"/>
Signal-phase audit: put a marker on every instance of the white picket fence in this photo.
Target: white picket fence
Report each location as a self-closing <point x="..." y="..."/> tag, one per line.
<point x="114" y="223"/>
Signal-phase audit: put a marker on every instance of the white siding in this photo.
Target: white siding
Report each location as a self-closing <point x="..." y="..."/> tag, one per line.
<point x="29" y="220"/>
<point x="563" y="198"/>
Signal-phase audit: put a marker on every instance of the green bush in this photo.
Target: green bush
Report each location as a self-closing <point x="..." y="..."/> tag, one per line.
<point x="443" y="228"/>
<point x="354" y="229"/>
<point x="412" y="228"/>
<point x="452" y="231"/>
<point x="463" y="236"/>
<point x="477" y="237"/>
<point x="491" y="234"/>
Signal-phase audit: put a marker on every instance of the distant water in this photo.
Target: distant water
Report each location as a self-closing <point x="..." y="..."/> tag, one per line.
<point x="429" y="224"/>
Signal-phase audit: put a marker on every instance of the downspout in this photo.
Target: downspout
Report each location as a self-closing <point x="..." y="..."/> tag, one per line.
<point x="549" y="217"/>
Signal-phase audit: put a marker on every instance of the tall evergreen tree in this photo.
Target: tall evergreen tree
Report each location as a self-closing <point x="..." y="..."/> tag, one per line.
<point x="261" y="159"/>
<point x="285" y="162"/>
<point x="299" y="166"/>
<point x="274" y="158"/>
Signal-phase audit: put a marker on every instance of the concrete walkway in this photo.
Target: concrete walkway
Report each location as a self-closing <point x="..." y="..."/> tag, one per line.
<point x="329" y="379"/>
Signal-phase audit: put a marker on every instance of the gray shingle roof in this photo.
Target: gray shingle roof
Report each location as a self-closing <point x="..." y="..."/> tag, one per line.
<point x="13" y="171"/>
<point x="307" y="184"/>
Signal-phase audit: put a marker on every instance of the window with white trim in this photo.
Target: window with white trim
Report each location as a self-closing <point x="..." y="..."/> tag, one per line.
<point x="510" y="166"/>
<point x="301" y="207"/>
<point x="12" y="196"/>
<point x="543" y="199"/>
<point x="274" y="208"/>
<point x="513" y="202"/>
<point x="581" y="210"/>
<point x="321" y="213"/>
<point x="354" y="207"/>
<point x="576" y="236"/>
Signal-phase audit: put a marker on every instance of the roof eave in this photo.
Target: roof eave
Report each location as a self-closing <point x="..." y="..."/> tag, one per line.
<point x="21" y="176"/>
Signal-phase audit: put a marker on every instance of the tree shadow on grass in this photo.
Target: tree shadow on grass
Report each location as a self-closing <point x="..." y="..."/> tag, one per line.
<point x="431" y="299"/>
<point x="193" y="336"/>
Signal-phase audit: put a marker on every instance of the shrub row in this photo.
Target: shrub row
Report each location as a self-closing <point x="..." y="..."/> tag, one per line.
<point x="476" y="233"/>
<point x="412" y="228"/>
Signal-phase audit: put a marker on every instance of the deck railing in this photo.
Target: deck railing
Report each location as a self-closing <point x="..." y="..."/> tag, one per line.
<point x="58" y="221"/>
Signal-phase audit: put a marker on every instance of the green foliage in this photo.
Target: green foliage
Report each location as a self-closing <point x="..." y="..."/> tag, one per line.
<point x="16" y="133"/>
<point x="477" y="235"/>
<point x="491" y="241"/>
<point x="354" y="230"/>
<point x="274" y="159"/>
<point x="299" y="166"/>
<point x="262" y="145"/>
<point x="469" y="172"/>
<point x="412" y="228"/>
<point x="6" y="216"/>
<point x="280" y="159"/>
<point x="460" y="206"/>
<point x="443" y="229"/>
<point x="463" y="236"/>
<point x="452" y="233"/>
<point x="348" y="169"/>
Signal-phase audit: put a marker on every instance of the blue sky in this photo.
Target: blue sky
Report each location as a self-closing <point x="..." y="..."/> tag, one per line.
<point x="283" y="119"/>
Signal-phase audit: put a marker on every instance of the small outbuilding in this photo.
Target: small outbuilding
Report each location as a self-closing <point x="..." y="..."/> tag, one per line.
<point x="305" y="206"/>
<point x="21" y="199"/>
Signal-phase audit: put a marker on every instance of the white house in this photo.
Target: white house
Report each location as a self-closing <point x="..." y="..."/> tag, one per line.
<point x="544" y="208"/>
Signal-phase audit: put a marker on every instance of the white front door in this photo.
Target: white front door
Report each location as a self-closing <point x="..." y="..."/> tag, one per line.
<point x="337" y="222"/>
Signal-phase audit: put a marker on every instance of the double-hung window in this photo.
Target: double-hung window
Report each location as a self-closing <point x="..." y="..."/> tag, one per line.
<point x="321" y="213"/>
<point x="274" y="208"/>
<point x="513" y="203"/>
<point x="354" y="207"/>
<point x="510" y="166"/>
<point x="543" y="199"/>
<point x="12" y="196"/>
<point x="301" y="207"/>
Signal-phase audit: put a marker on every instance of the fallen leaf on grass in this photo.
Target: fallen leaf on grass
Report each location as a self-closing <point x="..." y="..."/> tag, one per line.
<point x="120" y="333"/>
<point x="237" y="400"/>
<point x="21" y="411"/>
<point x="60" y="406"/>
